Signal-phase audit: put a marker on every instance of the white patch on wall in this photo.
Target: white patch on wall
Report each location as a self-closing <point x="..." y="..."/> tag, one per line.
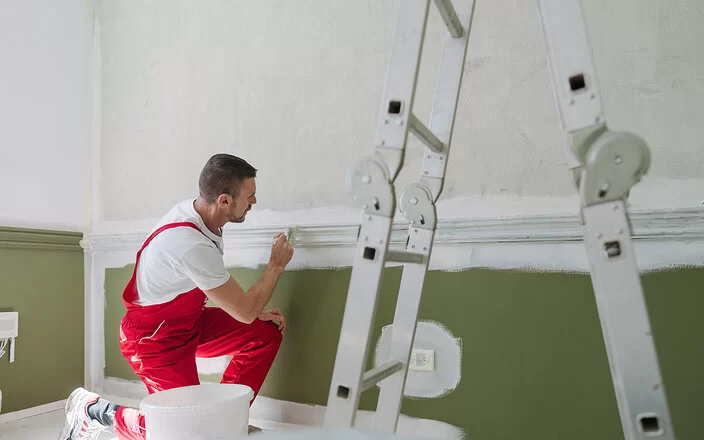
<point x="437" y="350"/>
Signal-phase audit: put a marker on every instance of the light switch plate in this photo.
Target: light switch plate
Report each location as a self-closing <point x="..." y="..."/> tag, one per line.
<point x="422" y="360"/>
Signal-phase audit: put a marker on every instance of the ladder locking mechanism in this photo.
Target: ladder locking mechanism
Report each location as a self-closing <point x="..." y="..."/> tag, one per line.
<point x="369" y="184"/>
<point x="416" y="205"/>
<point x="614" y="163"/>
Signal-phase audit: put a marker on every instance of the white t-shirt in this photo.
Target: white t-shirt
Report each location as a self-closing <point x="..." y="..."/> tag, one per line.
<point x="180" y="259"/>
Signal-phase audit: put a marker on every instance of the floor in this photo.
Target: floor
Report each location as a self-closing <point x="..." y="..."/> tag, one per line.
<point x="43" y="427"/>
<point x="48" y="426"/>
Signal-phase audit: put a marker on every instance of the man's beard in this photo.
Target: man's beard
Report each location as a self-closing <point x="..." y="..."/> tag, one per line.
<point x="240" y="219"/>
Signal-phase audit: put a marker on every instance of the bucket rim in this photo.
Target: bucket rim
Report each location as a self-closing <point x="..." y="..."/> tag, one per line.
<point x="145" y="403"/>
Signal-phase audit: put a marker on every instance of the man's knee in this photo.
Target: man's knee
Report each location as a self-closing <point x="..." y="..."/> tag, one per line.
<point x="271" y="335"/>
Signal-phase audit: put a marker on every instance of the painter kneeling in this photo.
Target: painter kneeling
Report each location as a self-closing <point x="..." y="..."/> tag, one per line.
<point x="167" y="325"/>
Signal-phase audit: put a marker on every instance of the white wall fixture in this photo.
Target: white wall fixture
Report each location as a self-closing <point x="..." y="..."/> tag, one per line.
<point x="9" y="330"/>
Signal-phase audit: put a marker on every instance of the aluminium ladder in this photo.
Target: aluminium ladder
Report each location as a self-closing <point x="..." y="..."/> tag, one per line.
<point x="604" y="166"/>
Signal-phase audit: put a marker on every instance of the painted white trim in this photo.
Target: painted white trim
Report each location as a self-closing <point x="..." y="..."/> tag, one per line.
<point x="282" y="412"/>
<point x="685" y="224"/>
<point x="459" y="244"/>
<point x="94" y="201"/>
<point x="31" y="412"/>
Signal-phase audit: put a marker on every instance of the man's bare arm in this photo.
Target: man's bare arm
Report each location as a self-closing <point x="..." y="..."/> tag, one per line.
<point x="246" y="306"/>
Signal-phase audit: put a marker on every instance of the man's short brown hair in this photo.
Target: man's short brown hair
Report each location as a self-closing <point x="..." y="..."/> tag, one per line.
<point x="223" y="174"/>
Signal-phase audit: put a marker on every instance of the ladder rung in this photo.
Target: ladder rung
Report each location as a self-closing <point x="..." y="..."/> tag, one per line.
<point x="425" y="135"/>
<point x="405" y="257"/>
<point x="376" y="375"/>
<point x="447" y="11"/>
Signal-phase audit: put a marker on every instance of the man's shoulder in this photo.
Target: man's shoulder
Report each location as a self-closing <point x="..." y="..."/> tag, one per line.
<point x="182" y="212"/>
<point x="186" y="234"/>
<point x="181" y="243"/>
<point x="184" y="215"/>
<point x="182" y="236"/>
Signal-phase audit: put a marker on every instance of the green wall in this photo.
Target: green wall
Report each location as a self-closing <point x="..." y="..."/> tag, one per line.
<point x="41" y="277"/>
<point x="534" y="364"/>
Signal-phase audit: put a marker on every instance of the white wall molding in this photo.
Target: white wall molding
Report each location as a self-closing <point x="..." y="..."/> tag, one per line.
<point x="647" y="225"/>
<point x="686" y="225"/>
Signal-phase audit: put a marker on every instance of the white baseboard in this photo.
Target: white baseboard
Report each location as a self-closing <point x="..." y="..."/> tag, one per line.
<point x="284" y="413"/>
<point x="31" y="412"/>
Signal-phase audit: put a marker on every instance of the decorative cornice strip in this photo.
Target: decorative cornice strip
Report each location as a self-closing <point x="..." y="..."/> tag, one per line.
<point x="686" y="224"/>
<point x="680" y="224"/>
<point x="19" y="238"/>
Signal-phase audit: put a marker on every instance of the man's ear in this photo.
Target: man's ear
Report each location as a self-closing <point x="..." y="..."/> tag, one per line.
<point x="224" y="199"/>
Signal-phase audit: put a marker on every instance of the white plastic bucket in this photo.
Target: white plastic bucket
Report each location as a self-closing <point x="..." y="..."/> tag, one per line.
<point x="199" y="412"/>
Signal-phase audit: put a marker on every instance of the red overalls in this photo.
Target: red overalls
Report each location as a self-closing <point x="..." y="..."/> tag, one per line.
<point x="161" y="343"/>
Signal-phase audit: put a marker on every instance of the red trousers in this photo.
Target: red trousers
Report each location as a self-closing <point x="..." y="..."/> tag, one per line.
<point x="162" y="366"/>
<point x="161" y="343"/>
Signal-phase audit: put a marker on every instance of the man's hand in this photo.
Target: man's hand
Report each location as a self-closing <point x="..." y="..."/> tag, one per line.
<point x="276" y="316"/>
<point x="281" y="252"/>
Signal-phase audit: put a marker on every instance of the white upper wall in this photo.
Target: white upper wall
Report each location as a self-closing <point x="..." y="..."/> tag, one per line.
<point x="42" y="114"/>
<point x="294" y="88"/>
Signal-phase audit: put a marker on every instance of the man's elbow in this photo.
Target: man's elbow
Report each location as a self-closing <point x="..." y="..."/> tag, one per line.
<point x="243" y="317"/>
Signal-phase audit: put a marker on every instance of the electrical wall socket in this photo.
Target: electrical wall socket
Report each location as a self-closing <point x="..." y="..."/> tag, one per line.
<point x="422" y="360"/>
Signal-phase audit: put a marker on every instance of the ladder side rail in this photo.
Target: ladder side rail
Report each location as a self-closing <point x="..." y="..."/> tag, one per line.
<point x="403" y="334"/>
<point x="357" y="322"/>
<point x="605" y="165"/>
<point x="401" y="78"/>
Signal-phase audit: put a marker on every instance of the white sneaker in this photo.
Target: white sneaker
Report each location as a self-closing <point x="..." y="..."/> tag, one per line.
<point x="79" y="425"/>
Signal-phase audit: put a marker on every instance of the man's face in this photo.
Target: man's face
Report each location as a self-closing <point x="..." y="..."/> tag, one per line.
<point x="244" y="201"/>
